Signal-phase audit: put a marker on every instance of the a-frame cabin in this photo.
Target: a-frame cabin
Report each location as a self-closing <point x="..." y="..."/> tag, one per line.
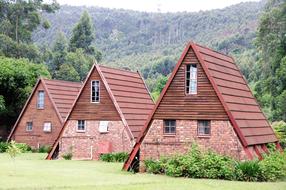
<point x="41" y="119"/>
<point x="206" y="101"/>
<point x="108" y="115"/>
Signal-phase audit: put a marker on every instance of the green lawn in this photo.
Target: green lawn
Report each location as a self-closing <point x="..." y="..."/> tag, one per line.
<point x="31" y="171"/>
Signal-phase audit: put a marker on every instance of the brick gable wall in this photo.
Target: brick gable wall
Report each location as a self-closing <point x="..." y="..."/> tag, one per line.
<point x="222" y="140"/>
<point x="37" y="137"/>
<point x="86" y="145"/>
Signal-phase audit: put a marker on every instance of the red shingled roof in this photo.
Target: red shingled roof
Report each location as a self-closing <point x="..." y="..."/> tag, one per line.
<point x="245" y="115"/>
<point x="132" y="96"/>
<point x="61" y="93"/>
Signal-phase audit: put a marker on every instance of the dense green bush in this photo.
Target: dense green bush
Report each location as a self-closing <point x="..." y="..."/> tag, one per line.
<point x="44" y="149"/>
<point x="67" y="156"/>
<point x="3" y="146"/>
<point x="21" y="146"/>
<point x="114" y="157"/>
<point x="198" y="164"/>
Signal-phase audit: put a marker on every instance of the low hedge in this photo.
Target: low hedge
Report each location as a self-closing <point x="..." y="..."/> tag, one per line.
<point x="198" y="164"/>
<point x="21" y="146"/>
<point x="114" y="157"/>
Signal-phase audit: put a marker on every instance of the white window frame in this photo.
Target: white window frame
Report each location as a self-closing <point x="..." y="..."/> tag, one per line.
<point x="84" y="125"/>
<point x="43" y="99"/>
<point x="98" y="91"/>
<point x="192" y="79"/>
<point x="28" y="126"/>
<point x="49" y="125"/>
<point x="103" y="126"/>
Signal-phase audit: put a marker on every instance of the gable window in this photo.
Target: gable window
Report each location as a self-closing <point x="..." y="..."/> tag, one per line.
<point x="41" y="99"/>
<point x="204" y="127"/>
<point x="95" y="91"/>
<point x="191" y="79"/>
<point x="169" y="126"/>
<point x="47" y="127"/>
<point x="103" y="126"/>
<point x="81" y="125"/>
<point x="29" y="126"/>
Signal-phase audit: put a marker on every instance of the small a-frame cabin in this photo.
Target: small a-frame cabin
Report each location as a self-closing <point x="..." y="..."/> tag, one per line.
<point x="41" y="119"/>
<point x="108" y="115"/>
<point x="206" y="101"/>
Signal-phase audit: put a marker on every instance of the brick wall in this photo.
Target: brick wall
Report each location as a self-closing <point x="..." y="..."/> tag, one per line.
<point x="89" y="144"/>
<point x="37" y="137"/>
<point x="222" y="140"/>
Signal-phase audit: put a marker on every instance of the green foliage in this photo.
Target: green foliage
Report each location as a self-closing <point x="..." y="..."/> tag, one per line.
<point x="13" y="150"/>
<point x="44" y="149"/>
<point x="67" y="72"/>
<point x="198" y="164"/>
<point x="17" y="77"/>
<point x="114" y="157"/>
<point x="280" y="130"/>
<point x="23" y="148"/>
<point x="68" y="155"/>
<point x="248" y="171"/>
<point x="3" y="146"/>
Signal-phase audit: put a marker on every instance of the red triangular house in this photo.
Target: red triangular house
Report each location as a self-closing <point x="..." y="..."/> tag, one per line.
<point x="107" y="116"/>
<point x="42" y="117"/>
<point x="206" y="100"/>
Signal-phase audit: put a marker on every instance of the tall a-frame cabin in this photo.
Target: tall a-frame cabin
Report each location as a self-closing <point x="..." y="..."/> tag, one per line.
<point x="208" y="102"/>
<point x="108" y="115"/>
<point x="41" y="119"/>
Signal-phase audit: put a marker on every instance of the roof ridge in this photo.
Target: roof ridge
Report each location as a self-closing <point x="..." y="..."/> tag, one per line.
<point x="64" y="81"/>
<point x="215" y="51"/>
<point x="119" y="69"/>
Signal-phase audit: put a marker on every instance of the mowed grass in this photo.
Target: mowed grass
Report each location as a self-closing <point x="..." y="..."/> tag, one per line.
<point x="31" y="171"/>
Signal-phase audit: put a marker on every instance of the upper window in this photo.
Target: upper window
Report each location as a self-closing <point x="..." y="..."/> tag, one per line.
<point x="191" y="79"/>
<point x="41" y="99"/>
<point x="169" y="126"/>
<point x="29" y="126"/>
<point x="81" y="125"/>
<point x="95" y="91"/>
<point x="204" y="127"/>
<point x="47" y="127"/>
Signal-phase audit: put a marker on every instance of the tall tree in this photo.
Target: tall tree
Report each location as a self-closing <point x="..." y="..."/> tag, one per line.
<point x="83" y="35"/>
<point x="271" y="42"/>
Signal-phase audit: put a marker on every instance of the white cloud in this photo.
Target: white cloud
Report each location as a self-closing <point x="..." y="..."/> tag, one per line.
<point x="155" y="5"/>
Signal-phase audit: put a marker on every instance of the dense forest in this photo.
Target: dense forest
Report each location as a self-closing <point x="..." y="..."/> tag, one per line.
<point x="45" y="38"/>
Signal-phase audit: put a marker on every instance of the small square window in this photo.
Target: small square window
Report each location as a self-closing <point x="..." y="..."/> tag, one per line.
<point x="103" y="126"/>
<point x="29" y="126"/>
<point x="47" y="127"/>
<point x="81" y="125"/>
<point x="204" y="127"/>
<point x="169" y="126"/>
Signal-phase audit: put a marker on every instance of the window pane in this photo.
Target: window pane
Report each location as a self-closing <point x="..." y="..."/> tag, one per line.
<point x="169" y="126"/>
<point x="81" y="125"/>
<point x="204" y="127"/>
<point x="191" y="79"/>
<point x="41" y="99"/>
<point x="95" y="91"/>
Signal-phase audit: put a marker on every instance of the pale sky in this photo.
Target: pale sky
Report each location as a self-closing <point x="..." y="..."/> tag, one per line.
<point x="155" y="5"/>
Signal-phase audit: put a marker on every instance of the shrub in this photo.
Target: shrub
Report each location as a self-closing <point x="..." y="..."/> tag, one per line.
<point x="67" y="156"/>
<point x="248" y="171"/>
<point x="273" y="166"/>
<point x="44" y="149"/>
<point x="3" y="146"/>
<point x="114" y="157"/>
<point x="23" y="147"/>
<point x="153" y="166"/>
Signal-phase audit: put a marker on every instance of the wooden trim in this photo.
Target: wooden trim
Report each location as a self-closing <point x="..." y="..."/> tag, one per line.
<point x="258" y="152"/>
<point x="24" y="109"/>
<point x="278" y="147"/>
<point x="146" y="86"/>
<point x="264" y="148"/>
<point x="248" y="154"/>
